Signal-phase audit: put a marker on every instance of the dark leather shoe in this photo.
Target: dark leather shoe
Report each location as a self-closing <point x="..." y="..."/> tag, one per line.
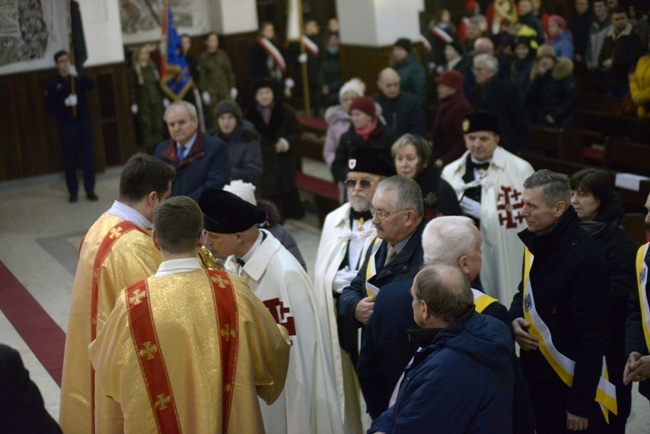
<point x="73" y="199"/>
<point x="92" y="196"/>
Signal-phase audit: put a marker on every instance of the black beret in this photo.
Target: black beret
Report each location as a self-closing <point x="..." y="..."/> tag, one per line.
<point x="227" y="213"/>
<point x="481" y="121"/>
<point x="371" y="160"/>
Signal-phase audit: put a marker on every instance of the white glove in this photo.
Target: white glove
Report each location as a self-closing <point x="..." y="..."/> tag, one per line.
<point x="134" y="109"/>
<point x="71" y="100"/>
<point x="471" y="207"/>
<point x="166" y="102"/>
<point x="73" y="71"/>
<point x="343" y="278"/>
<point x="289" y="83"/>
<point x="302" y="58"/>
<point x="233" y="93"/>
<point x="282" y="145"/>
<point x="206" y="97"/>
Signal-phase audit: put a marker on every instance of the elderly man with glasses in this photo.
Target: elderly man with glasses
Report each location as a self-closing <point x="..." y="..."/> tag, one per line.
<point x="396" y="253"/>
<point x="347" y="234"/>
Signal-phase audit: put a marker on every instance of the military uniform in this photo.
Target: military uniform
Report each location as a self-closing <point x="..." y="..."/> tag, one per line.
<point x="146" y="94"/>
<point x="217" y="78"/>
<point x="75" y="131"/>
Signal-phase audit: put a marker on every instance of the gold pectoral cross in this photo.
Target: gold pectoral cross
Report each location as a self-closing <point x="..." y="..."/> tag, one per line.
<point x="361" y="221"/>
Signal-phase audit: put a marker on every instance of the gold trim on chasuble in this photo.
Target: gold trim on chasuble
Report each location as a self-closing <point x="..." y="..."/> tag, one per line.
<point x="104" y="249"/>
<point x="152" y="363"/>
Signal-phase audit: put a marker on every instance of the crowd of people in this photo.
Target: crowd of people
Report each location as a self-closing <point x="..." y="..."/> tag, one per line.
<point x="192" y="309"/>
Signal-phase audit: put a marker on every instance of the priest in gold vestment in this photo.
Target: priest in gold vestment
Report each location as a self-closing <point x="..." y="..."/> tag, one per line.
<point x="189" y="350"/>
<point x="117" y="251"/>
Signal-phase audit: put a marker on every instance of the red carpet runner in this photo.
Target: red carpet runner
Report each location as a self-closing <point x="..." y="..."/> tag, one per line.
<point x="43" y="336"/>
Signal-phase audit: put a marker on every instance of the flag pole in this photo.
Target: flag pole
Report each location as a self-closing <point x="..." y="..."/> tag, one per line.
<point x="305" y="78"/>
<point x="71" y="57"/>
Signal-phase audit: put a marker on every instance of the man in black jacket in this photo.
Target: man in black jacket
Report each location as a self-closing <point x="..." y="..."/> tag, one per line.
<point x="621" y="50"/>
<point x="401" y="111"/>
<point x="560" y="329"/>
<point x="637" y="333"/>
<point x="395" y="255"/>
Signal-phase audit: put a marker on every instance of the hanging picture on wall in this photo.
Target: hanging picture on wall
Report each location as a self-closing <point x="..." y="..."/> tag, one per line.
<point x="31" y="31"/>
<point x="141" y="18"/>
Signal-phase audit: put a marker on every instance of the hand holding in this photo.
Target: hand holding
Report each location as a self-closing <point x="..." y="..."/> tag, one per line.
<point x="134" y="109"/>
<point x="576" y="423"/>
<point x="364" y="309"/>
<point x="525" y="340"/>
<point x="71" y="100"/>
<point x="302" y="58"/>
<point x="73" y="71"/>
<point x="205" y="96"/>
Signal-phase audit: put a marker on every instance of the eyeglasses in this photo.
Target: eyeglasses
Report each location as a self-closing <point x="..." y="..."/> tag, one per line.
<point x="363" y="183"/>
<point x="383" y="215"/>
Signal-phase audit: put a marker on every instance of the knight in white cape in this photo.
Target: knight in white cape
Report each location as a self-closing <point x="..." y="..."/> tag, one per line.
<point x="489" y="183"/>
<point x="309" y="402"/>
<point x="346" y="236"/>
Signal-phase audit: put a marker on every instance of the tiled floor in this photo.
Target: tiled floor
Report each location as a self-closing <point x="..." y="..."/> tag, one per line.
<point x="39" y="235"/>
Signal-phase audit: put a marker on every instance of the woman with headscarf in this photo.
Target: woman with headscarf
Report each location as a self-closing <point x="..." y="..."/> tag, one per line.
<point x="412" y="155"/>
<point x="366" y="130"/>
<point x="280" y="130"/>
<point x="242" y="140"/>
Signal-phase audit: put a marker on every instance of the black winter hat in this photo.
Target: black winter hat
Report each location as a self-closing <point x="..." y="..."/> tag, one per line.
<point x="227" y="213"/>
<point x="227" y="106"/>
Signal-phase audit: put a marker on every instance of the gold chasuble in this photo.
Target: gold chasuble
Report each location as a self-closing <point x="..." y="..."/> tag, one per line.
<point x="191" y="352"/>
<point x="114" y="254"/>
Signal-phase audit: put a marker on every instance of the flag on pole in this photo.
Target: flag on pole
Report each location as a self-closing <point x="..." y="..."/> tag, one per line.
<point x="78" y="43"/>
<point x="175" y="77"/>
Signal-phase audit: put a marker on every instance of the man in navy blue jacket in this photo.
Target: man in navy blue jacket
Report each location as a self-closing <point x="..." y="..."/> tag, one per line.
<point x="201" y="161"/>
<point x="398" y="212"/>
<point x="460" y="379"/>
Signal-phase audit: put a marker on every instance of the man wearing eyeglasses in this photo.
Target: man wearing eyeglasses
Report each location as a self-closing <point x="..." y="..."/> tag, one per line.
<point x="395" y="255"/>
<point x="347" y="234"/>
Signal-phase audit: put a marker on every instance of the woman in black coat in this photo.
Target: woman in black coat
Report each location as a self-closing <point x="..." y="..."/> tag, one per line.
<point x="366" y="130"/>
<point x="412" y="155"/>
<point x="600" y="209"/>
<point x="242" y="140"/>
<point x="280" y="130"/>
<point x="552" y="93"/>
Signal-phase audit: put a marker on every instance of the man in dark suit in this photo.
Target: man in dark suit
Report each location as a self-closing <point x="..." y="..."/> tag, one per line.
<point x="201" y="161"/>
<point x="396" y="254"/>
